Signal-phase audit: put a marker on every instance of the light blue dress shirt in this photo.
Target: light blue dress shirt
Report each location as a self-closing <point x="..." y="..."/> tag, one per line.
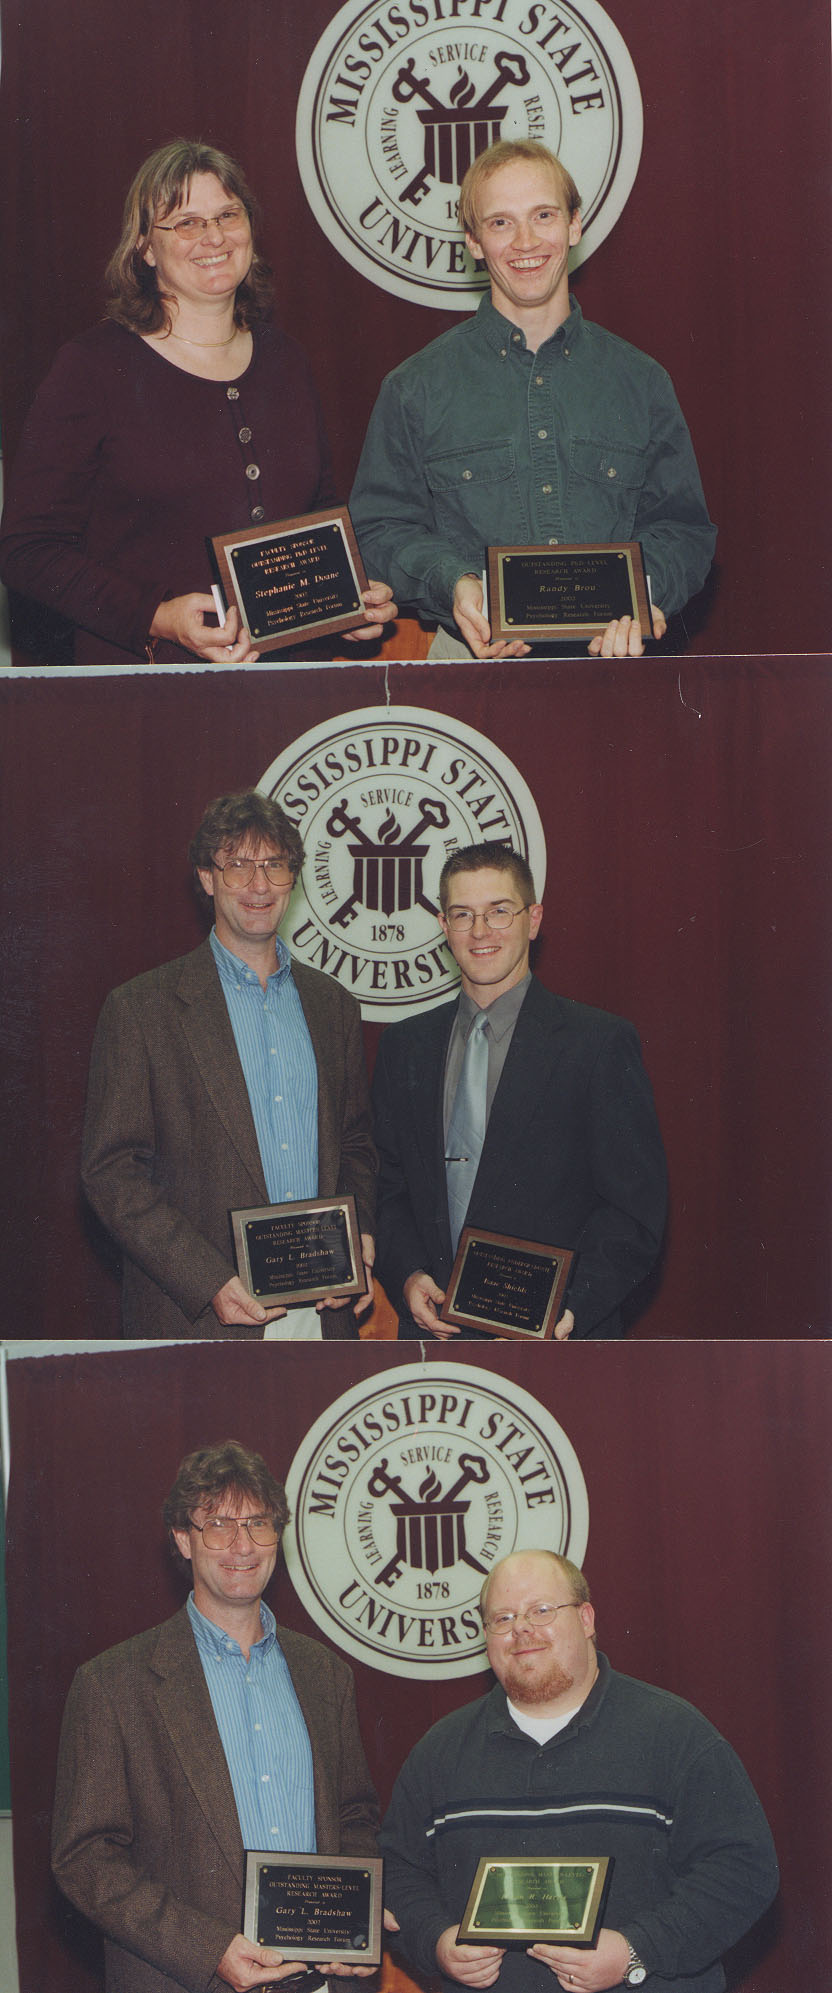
<point x="279" y="1068"/>
<point x="263" y="1735"/>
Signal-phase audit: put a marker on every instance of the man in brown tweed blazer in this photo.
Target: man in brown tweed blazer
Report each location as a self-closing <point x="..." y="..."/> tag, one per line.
<point x="170" y="1143"/>
<point x="146" y="1836"/>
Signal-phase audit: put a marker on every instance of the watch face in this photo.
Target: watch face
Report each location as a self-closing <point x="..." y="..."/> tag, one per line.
<point x="636" y="1975"/>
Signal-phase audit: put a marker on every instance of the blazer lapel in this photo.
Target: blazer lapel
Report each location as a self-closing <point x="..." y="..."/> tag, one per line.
<point x="426" y="1079"/>
<point x="207" y="1028"/>
<point x="185" y="1704"/>
<point x="524" y="1081"/>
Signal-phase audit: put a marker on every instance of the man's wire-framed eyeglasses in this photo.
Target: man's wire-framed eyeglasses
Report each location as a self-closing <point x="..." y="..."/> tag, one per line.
<point x="535" y="1615"/>
<point x="239" y="872"/>
<point x="461" y="919"/>
<point x="219" y="1532"/>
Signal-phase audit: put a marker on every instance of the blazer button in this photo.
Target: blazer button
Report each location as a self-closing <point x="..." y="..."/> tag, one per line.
<point x="252" y="471"/>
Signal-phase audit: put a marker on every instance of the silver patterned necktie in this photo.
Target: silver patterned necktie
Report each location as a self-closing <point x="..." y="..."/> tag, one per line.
<point x="466" y="1131"/>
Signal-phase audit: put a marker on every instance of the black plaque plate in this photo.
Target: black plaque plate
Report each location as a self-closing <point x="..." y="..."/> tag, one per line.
<point x="518" y="1902"/>
<point x="315" y="1907"/>
<point x="299" y="1252"/>
<point x="563" y="594"/>
<point x="293" y="579"/>
<point x="506" y="1287"/>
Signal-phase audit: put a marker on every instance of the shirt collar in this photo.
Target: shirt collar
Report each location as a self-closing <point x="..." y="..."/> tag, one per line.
<point x="215" y="1642"/>
<point x="502" y="1013"/>
<point x="499" y="331"/>
<point x="235" y="972"/>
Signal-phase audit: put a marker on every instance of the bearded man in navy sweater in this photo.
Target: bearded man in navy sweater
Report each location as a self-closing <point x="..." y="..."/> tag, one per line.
<point x="566" y="1758"/>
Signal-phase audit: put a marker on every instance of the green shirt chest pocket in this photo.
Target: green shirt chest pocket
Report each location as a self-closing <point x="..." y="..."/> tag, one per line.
<point x="605" y="485"/>
<point x="476" y="493"/>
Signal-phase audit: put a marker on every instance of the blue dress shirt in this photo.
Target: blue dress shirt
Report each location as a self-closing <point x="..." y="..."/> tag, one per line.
<point x="279" y="1068"/>
<point x="263" y="1735"/>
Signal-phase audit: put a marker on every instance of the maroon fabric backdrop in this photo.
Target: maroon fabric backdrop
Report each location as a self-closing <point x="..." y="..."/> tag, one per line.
<point x="707" y="1474"/>
<point x="687" y="823"/>
<point x="716" y="266"/>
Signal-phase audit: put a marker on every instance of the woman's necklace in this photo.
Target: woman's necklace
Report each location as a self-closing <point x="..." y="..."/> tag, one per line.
<point x="209" y="345"/>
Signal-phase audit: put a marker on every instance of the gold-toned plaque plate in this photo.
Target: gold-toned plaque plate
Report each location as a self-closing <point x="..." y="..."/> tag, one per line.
<point x="300" y="1251"/>
<point x="505" y="1286"/>
<point x="315" y="1907"/>
<point x="293" y="579"/>
<point x="518" y="1902"/>
<point x="566" y="594"/>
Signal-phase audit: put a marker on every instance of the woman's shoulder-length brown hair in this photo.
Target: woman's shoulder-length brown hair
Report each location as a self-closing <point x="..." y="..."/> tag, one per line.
<point x="160" y="186"/>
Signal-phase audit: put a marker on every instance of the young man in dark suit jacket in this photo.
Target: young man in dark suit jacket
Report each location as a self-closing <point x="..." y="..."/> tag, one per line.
<point x="179" y="1132"/>
<point x="572" y="1155"/>
<point x="166" y="1750"/>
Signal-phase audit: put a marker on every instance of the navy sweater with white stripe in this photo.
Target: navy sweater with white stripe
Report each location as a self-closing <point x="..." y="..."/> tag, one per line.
<point x="637" y="1774"/>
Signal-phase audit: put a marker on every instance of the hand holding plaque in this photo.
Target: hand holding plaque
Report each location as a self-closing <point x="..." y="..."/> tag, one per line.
<point x="506" y="1287"/>
<point x="293" y="579"/>
<point x="321" y="1909"/>
<point x="566" y="594"/>
<point x="516" y="1902"/>
<point x="299" y="1252"/>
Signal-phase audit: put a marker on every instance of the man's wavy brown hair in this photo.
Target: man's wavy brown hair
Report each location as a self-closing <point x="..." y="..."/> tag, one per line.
<point x="214" y="1475"/>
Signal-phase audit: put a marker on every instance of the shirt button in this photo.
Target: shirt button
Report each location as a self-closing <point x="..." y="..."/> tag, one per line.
<point x="258" y="1726"/>
<point x="543" y="433"/>
<point x="265" y="1779"/>
<point x="538" y="380"/>
<point x="244" y="435"/>
<point x="467" y="476"/>
<point x="611" y="472"/>
<point x="566" y="352"/>
<point x="233" y="394"/>
<point x="258" y="512"/>
<point x="553" y="541"/>
<point x="503" y="352"/>
<point x="547" y="488"/>
<point x="252" y="471"/>
<point x="516" y="336"/>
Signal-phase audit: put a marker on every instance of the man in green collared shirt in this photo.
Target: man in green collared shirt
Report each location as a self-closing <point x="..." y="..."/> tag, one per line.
<point x="526" y="425"/>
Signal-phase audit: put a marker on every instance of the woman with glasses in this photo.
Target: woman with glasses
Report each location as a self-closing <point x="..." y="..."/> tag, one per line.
<point x="185" y="414"/>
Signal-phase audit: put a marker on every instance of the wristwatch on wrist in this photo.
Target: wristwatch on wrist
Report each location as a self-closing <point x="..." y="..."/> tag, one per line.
<point x="636" y="1973"/>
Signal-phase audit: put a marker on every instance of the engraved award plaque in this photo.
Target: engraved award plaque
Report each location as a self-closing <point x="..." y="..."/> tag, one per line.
<point x="566" y="594"/>
<point x="506" y="1287"/>
<point x="518" y="1902"/>
<point x="299" y="1252"/>
<point x="294" y="579"/>
<point x="323" y="1908"/>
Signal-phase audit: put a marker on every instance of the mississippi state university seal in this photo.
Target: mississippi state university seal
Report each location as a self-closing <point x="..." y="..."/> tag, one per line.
<point x="398" y="99"/>
<point x="404" y="1494"/>
<point x="381" y="798"/>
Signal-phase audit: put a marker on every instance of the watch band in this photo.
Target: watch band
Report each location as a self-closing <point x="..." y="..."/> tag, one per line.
<point x="636" y="1972"/>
